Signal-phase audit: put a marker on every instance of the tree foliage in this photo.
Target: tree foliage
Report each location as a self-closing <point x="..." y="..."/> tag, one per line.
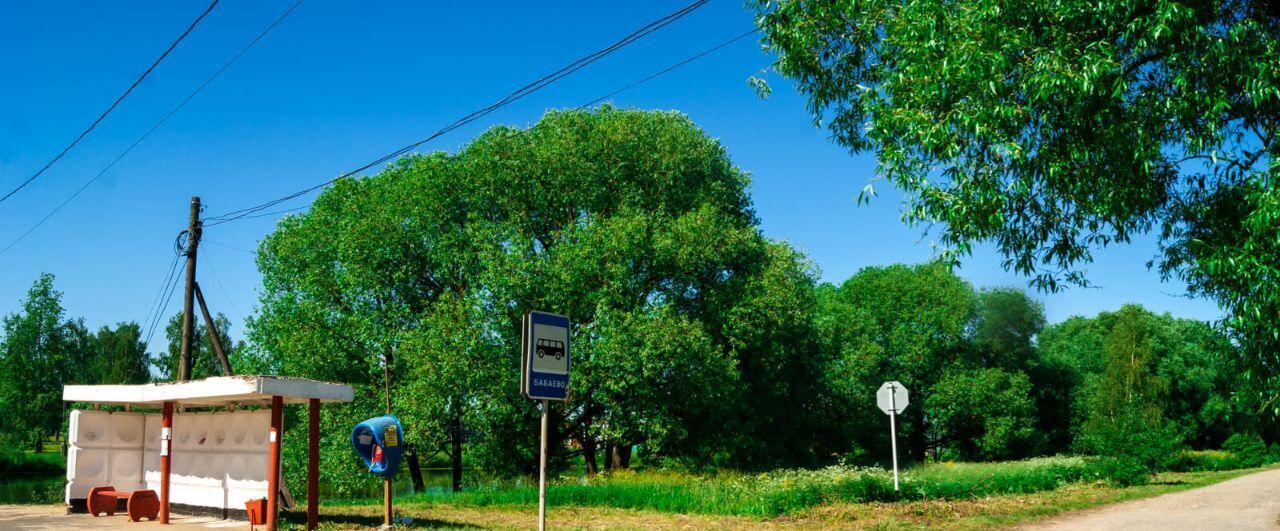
<point x="984" y="414"/>
<point x="204" y="361"/>
<point x="109" y="356"/>
<point x="634" y="224"/>
<point x="1052" y="129"/>
<point x="905" y="323"/>
<point x="33" y="364"/>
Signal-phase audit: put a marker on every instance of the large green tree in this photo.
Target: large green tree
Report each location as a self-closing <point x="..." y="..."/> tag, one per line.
<point x="634" y="224"/>
<point x="1005" y="327"/>
<point x="983" y="414"/>
<point x="1124" y="404"/>
<point x="900" y="322"/>
<point x="1179" y="370"/>
<point x="33" y="364"/>
<point x="1054" y="128"/>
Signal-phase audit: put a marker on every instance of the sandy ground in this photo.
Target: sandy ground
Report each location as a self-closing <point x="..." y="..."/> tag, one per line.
<point x="56" y="517"/>
<point x="1245" y="503"/>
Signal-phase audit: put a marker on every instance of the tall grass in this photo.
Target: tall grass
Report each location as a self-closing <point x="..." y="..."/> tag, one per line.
<point x="779" y="492"/>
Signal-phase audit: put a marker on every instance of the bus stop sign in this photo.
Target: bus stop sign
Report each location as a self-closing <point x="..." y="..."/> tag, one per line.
<point x="544" y="356"/>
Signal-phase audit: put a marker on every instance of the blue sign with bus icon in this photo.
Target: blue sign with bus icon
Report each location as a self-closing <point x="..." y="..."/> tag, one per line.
<point x="545" y="356"/>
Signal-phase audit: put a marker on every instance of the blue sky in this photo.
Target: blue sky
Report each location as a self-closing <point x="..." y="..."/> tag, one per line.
<point x="336" y="86"/>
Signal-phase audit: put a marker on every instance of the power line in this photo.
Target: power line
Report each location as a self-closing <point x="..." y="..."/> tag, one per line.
<point x="700" y="55"/>
<point x="114" y="104"/>
<point x="153" y="129"/>
<point x="223" y="288"/>
<point x="476" y="115"/>
<point x="227" y="245"/>
<point x="155" y="301"/>
<point x="167" y="290"/>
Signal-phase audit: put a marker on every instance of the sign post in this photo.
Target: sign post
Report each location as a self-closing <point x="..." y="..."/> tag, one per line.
<point x="892" y="399"/>
<point x="544" y="376"/>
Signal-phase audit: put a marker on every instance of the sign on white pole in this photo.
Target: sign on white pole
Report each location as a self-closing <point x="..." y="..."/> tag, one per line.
<point x="544" y="373"/>
<point x="892" y="399"/>
<point x="544" y="376"/>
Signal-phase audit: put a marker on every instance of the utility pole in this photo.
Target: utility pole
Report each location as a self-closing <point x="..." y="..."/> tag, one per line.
<point x="219" y="355"/>
<point x="188" y="303"/>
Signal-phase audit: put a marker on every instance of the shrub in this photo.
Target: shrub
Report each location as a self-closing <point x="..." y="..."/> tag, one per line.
<point x="1248" y="448"/>
<point x="1121" y="470"/>
<point x="1205" y="461"/>
<point x="1130" y="446"/>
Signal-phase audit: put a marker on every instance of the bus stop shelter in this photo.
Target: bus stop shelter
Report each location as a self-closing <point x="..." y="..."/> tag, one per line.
<point x="228" y="391"/>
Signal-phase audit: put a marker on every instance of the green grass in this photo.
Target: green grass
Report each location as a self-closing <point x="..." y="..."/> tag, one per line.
<point x="774" y="493"/>
<point x="964" y="513"/>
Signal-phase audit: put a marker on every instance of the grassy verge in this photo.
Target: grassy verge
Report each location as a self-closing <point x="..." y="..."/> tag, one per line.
<point x="1007" y="510"/>
<point x="972" y="512"/>
<point x="774" y="493"/>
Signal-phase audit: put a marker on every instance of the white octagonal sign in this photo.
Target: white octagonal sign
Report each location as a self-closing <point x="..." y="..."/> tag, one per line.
<point x="892" y="397"/>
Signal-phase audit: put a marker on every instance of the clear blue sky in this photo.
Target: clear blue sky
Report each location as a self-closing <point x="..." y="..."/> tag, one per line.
<point x="337" y="85"/>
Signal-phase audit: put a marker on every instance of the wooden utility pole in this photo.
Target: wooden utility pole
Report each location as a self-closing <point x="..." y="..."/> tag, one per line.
<point x="214" y="336"/>
<point x="188" y="303"/>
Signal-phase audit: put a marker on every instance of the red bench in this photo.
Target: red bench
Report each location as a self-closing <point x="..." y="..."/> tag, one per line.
<point x="141" y="503"/>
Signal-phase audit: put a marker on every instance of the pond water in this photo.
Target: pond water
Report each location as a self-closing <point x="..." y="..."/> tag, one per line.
<point x="32" y="489"/>
<point x="433" y="480"/>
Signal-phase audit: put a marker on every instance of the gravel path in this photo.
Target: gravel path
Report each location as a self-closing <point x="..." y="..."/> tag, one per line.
<point x="1249" y="502"/>
<point x="51" y="517"/>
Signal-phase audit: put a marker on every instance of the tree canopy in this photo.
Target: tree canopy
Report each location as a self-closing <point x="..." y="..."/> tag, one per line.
<point x="634" y="224"/>
<point x="1054" y="128"/>
<point x="41" y="350"/>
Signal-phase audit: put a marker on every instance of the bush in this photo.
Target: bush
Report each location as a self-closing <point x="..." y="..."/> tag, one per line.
<point x="1130" y="446"/>
<point x="1248" y="448"/>
<point x="1121" y="470"/>
<point x="1205" y="461"/>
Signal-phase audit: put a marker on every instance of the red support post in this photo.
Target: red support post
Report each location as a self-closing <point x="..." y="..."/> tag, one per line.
<point x="166" y="451"/>
<point x="273" y="461"/>
<point x="313" y="466"/>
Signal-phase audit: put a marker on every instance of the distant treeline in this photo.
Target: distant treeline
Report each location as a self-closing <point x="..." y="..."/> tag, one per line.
<point x="41" y="350"/>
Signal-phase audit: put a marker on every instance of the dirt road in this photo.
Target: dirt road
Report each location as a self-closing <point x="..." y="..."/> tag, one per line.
<point x="1244" y="503"/>
<point x="51" y="517"/>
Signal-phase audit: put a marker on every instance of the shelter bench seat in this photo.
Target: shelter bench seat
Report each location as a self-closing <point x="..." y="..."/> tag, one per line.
<point x="141" y="503"/>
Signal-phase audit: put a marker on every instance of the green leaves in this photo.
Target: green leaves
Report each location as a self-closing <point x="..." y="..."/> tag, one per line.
<point x="634" y="224"/>
<point x="1054" y="128"/>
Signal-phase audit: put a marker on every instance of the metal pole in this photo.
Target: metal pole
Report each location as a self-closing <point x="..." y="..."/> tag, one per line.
<point x="188" y="303"/>
<point x="386" y="482"/>
<point x="313" y="465"/>
<point x="273" y="461"/>
<point x="542" y="470"/>
<point x="214" y="336"/>
<point x="893" y="431"/>
<point x="166" y="456"/>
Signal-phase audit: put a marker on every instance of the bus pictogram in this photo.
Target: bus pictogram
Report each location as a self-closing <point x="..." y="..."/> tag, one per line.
<point x="550" y="347"/>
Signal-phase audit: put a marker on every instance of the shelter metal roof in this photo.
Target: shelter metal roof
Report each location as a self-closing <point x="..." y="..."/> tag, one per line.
<point x="215" y="391"/>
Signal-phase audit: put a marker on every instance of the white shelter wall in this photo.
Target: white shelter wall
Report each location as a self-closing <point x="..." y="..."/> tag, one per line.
<point x="219" y="458"/>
